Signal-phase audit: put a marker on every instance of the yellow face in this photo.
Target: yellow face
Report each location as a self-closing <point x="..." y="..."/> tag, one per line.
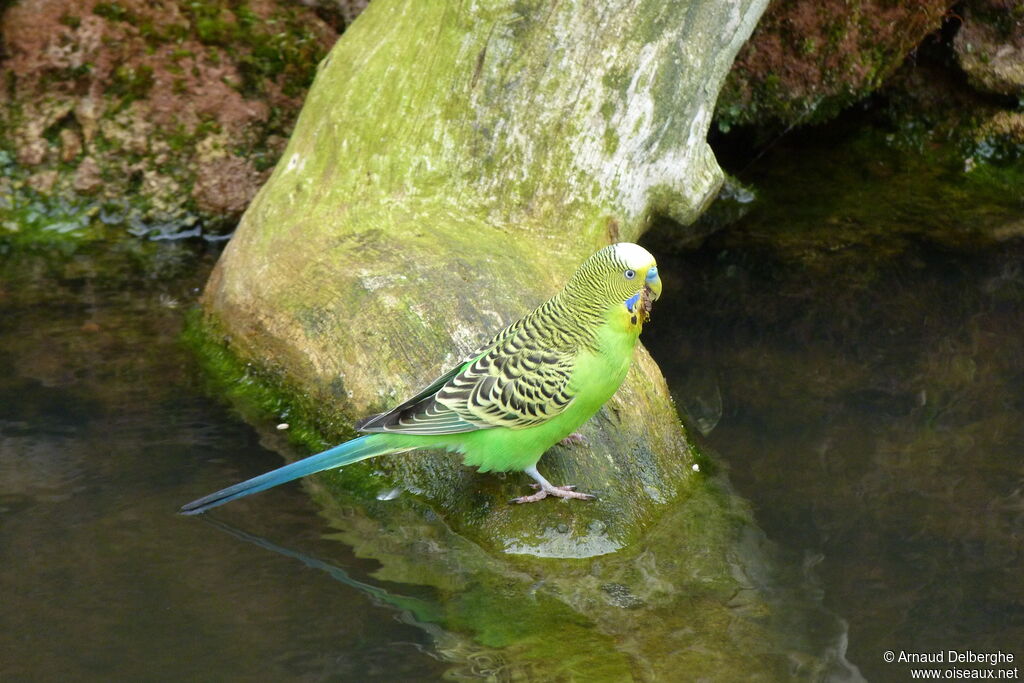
<point x="621" y="280"/>
<point x="637" y="269"/>
<point x="631" y="276"/>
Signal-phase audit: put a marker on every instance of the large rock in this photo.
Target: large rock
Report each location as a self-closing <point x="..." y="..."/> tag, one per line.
<point x="449" y="171"/>
<point x="990" y="46"/>
<point x="453" y="164"/>
<point x="809" y="59"/>
<point x="174" y="110"/>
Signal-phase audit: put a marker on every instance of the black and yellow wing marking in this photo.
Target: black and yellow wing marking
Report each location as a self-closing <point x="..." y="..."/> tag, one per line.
<point x="509" y="384"/>
<point x="419" y="414"/>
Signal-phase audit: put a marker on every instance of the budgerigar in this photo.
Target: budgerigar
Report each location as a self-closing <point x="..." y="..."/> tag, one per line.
<point x="532" y="385"/>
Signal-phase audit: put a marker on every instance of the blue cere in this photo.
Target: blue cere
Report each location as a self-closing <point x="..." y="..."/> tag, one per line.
<point x="652" y="274"/>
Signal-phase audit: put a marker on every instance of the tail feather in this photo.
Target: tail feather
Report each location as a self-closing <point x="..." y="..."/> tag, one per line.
<point x="351" y="451"/>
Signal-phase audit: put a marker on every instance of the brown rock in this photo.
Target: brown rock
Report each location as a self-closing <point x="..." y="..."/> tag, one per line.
<point x="808" y="59"/>
<point x="990" y="48"/>
<point x="87" y="177"/>
<point x="43" y="181"/>
<point x="70" y="145"/>
<point x="87" y="113"/>
<point x="225" y="185"/>
<point x="150" y="81"/>
<point x="32" y="151"/>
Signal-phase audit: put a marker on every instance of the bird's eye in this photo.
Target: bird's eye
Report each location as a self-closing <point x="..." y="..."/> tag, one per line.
<point x="630" y="274"/>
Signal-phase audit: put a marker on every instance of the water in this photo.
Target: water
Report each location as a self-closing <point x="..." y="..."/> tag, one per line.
<point x="856" y="345"/>
<point x="105" y="431"/>
<point x="854" y="349"/>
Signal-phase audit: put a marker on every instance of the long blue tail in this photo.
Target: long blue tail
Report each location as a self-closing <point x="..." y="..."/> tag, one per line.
<point x="351" y="451"/>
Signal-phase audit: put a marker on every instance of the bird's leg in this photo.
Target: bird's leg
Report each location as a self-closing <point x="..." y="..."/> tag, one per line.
<point x="573" y="439"/>
<point x="549" y="489"/>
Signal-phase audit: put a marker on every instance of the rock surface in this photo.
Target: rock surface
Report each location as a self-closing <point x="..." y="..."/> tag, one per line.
<point x="990" y="46"/>
<point x="435" y="190"/>
<point x="809" y="59"/>
<point x="126" y="100"/>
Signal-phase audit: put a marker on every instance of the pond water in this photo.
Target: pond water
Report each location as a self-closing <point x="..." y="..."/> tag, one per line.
<point x="854" y="348"/>
<point x="105" y="430"/>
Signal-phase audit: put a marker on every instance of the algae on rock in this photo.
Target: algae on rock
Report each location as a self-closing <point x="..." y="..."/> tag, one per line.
<point x="810" y="59"/>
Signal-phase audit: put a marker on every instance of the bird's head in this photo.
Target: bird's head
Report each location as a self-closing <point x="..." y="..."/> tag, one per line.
<point x="623" y="274"/>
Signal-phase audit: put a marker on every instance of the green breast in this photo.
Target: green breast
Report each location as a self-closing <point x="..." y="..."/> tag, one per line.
<point x="599" y="374"/>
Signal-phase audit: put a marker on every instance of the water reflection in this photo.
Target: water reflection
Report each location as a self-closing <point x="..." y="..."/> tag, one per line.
<point x="104" y="430"/>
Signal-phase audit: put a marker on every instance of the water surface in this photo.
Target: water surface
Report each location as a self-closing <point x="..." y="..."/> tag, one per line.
<point x="854" y="348"/>
<point x="855" y="345"/>
<point x="105" y="431"/>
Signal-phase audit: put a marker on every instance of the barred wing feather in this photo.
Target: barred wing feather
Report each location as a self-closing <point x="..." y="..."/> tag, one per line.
<point x="512" y="384"/>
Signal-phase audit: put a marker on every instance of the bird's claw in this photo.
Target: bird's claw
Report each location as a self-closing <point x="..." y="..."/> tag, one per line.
<point x="557" y="491"/>
<point x="574" y="439"/>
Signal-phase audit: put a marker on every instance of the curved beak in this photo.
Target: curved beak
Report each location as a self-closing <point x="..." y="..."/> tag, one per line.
<point x="653" y="283"/>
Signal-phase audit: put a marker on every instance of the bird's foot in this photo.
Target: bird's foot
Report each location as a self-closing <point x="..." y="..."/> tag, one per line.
<point x="557" y="491"/>
<point x="574" y="439"/>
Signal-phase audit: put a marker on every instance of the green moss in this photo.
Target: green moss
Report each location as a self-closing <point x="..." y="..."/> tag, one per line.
<point x="30" y="221"/>
<point x="617" y="80"/>
<point x="611" y="140"/>
<point x="131" y="83"/>
<point x="262" y="396"/>
<point x="157" y="35"/>
<point x="281" y="48"/>
<point x="74" y="73"/>
<point x="213" y="23"/>
<point x="113" y="11"/>
<point x="262" y="158"/>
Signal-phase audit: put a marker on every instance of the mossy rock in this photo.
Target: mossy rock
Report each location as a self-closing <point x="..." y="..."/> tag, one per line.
<point x="165" y="116"/>
<point x="990" y="46"/>
<point x="428" y="197"/>
<point x="451" y="168"/>
<point x="808" y="60"/>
